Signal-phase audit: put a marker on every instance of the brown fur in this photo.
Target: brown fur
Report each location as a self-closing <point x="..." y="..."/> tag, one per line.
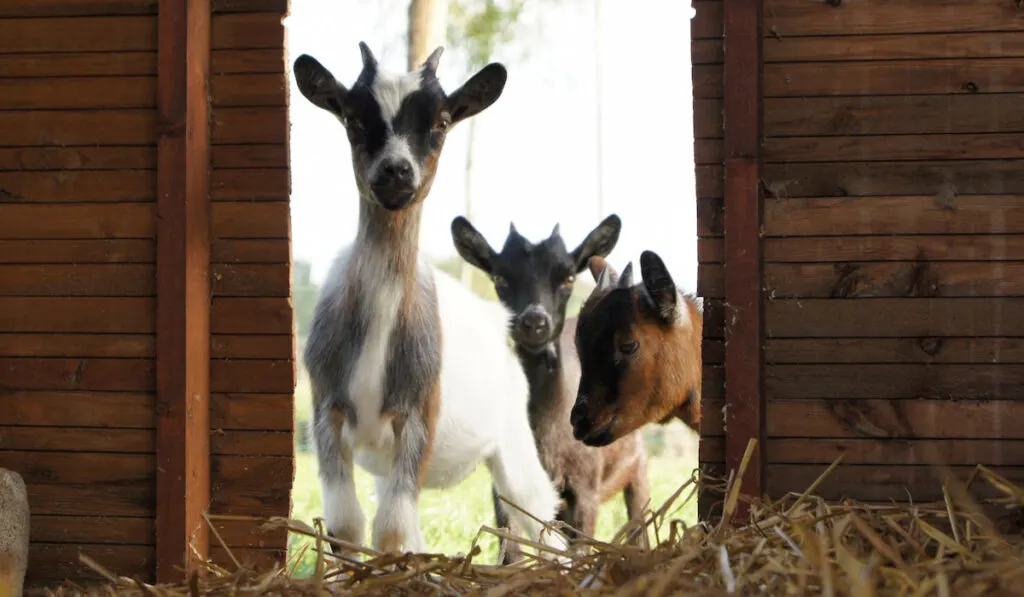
<point x="665" y="378"/>
<point x="430" y="410"/>
<point x="593" y="475"/>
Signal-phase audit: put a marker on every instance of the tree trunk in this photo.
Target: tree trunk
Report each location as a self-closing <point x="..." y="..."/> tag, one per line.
<point x="467" y="269"/>
<point x="14" y="533"/>
<point x="427" y="22"/>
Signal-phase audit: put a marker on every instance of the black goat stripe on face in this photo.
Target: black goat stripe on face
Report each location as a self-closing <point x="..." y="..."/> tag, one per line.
<point x="596" y="334"/>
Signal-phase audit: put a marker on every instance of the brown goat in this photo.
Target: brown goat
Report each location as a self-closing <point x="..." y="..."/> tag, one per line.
<point x="640" y="353"/>
<point x="534" y="281"/>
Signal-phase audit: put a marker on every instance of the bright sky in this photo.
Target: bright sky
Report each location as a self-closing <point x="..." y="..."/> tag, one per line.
<point x="535" y="160"/>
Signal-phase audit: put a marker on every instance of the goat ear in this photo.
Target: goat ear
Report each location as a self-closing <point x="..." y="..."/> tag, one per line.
<point x="604" y="274"/>
<point x="477" y="94"/>
<point x="626" y="278"/>
<point x="472" y="245"/>
<point x="599" y="242"/>
<point x="659" y="285"/>
<point x="318" y="85"/>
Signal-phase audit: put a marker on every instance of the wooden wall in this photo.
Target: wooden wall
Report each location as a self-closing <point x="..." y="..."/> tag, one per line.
<point x="893" y="261"/>
<point x="78" y="221"/>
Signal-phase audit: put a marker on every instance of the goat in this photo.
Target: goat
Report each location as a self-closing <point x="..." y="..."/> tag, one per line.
<point x="535" y="282"/>
<point x="640" y="353"/>
<point x="412" y="376"/>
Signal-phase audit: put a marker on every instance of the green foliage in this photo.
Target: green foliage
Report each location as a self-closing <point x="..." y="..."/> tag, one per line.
<point x="480" y="26"/>
<point x="304" y="295"/>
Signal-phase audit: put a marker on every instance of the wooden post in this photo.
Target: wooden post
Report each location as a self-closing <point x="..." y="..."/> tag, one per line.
<point x="744" y="311"/>
<point x="183" y="286"/>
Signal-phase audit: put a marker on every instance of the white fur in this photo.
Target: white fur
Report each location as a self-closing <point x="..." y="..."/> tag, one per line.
<point x="482" y="416"/>
<point x="389" y="89"/>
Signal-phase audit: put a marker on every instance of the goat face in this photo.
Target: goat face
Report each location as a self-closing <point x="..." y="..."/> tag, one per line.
<point x="534" y="281"/>
<point x="396" y="124"/>
<point x="625" y="338"/>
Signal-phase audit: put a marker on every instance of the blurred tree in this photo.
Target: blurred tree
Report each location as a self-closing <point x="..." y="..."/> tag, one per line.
<point x="304" y="294"/>
<point x="477" y="27"/>
<point x="426" y="29"/>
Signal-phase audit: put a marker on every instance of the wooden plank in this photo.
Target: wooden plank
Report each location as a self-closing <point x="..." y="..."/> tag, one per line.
<point x="250" y="125"/>
<point x="92" y="409"/>
<point x="895" y="318"/>
<point x="95" y="64"/>
<point x="707" y="119"/>
<point x="892" y="77"/>
<point x="227" y="346"/>
<point x="78" y="35"/>
<point x="250" y="185"/>
<point x="253" y="559"/>
<point x="796" y="18"/>
<point x="711" y="450"/>
<point x="63" y="128"/>
<point x="77" y="158"/>
<point x="879" y="483"/>
<point x="79" y="280"/>
<point x="713" y="352"/>
<point x="249" y="90"/>
<point x="884" y="115"/>
<point x="63" y="221"/>
<point x="999" y="381"/>
<point x="991" y="214"/>
<point x="78" y="315"/>
<point x="707" y="21"/>
<point x="896" y="350"/>
<point x="711" y="217"/>
<point x="252" y="412"/>
<point x="77" y="251"/>
<point x="78" y="186"/>
<point x="710" y="181"/>
<point x="251" y="316"/>
<point x="183" y="284"/>
<point x="709" y="152"/>
<point x="252" y="280"/>
<point x="248" y="31"/>
<point x="77" y="8"/>
<point x="883" y="148"/>
<point x="76" y="468"/>
<point x="274" y="6"/>
<point x="250" y="251"/>
<point x="708" y="81"/>
<point x="51" y="564"/>
<point x="251" y="376"/>
<point x="250" y="443"/>
<point x="964" y="452"/>
<point x="78" y="93"/>
<point x="923" y="46"/>
<point x="135" y="499"/>
<point x="712" y="250"/>
<point x="77" y="439"/>
<point x="250" y="156"/>
<point x="251" y="486"/>
<point x="952" y="178"/>
<point x="117" y="530"/>
<point x="114" y="375"/>
<point x="890" y="279"/>
<point x="714" y="319"/>
<point x="744" y="311"/>
<point x="964" y="247"/>
<point x="230" y="62"/>
<point x="245" y="219"/>
<point x="77" y="345"/>
<point x="78" y="127"/>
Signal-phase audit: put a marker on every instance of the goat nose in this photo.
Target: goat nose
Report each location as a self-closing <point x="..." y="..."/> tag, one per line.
<point x="534" y="321"/>
<point x="397" y="172"/>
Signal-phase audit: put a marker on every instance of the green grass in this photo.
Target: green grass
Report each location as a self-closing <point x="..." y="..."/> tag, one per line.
<point x="452" y="518"/>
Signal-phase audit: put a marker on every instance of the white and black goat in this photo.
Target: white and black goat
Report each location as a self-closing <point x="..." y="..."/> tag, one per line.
<point x="535" y="282"/>
<point x="411" y="373"/>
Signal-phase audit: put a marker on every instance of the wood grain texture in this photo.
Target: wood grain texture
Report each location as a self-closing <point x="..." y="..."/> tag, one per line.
<point x="895" y="318"/>
<point x="958" y="247"/>
<point x="78" y="186"/>
<point x="895" y="350"/>
<point x="117" y="375"/>
<point x="999" y="381"/>
<point x="796" y="18"/>
<point x="252" y="412"/>
<point x="51" y="564"/>
<point x="882" y="148"/>
<point x="77" y="8"/>
<point x="77" y="280"/>
<point x="962" y="452"/>
<point x="183" y="479"/>
<point x="744" y="313"/>
<point x="93" y="409"/>
<point x="921" y="214"/>
<point x="78" y="315"/>
<point x="83" y="252"/>
<point x="247" y="220"/>
<point x="892" y="77"/>
<point x="896" y="114"/>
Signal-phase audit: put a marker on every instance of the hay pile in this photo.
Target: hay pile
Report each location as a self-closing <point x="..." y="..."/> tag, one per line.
<point x="799" y="545"/>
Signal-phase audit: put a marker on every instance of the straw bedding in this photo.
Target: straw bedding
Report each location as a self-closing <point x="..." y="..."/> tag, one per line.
<point x="799" y="545"/>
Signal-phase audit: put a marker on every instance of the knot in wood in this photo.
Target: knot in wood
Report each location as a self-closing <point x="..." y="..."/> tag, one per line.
<point x="834" y="3"/>
<point x="931" y="346"/>
<point x="970" y="87"/>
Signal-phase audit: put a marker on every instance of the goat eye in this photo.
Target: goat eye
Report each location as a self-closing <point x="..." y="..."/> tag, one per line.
<point x="499" y="282"/>
<point x="568" y="282"/>
<point x="443" y="122"/>
<point x="629" y="347"/>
